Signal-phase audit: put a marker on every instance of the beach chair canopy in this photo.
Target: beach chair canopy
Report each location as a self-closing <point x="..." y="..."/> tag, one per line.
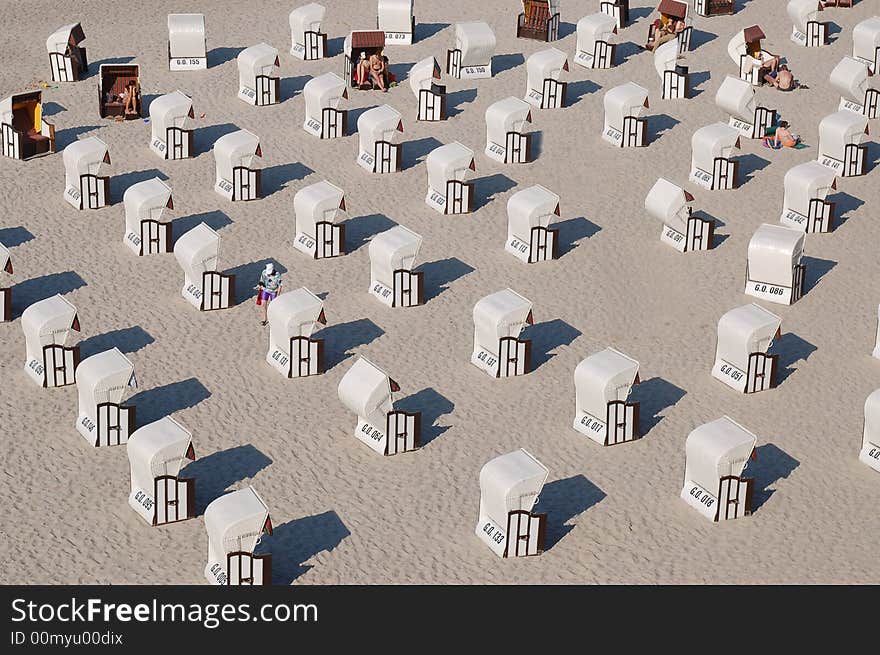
<point x="866" y="40"/>
<point x="5" y="260"/>
<point x="451" y="161"/>
<point x="170" y="110"/>
<point x="48" y="322"/>
<point x="802" y="12"/>
<point x="743" y="331"/>
<point x="197" y="252"/>
<point x="840" y="129"/>
<point x="545" y="64"/>
<point x="235" y="522"/>
<point x="852" y="78"/>
<point x="158" y="448"/>
<point x="669" y="204"/>
<point x="673" y="9"/>
<point x="628" y="99"/>
<point x="528" y="208"/>
<point x="774" y="250"/>
<point x="666" y="57"/>
<point x="872" y="419"/>
<point x="295" y="314"/>
<point x="306" y="19"/>
<point x="395" y="15"/>
<point x="738" y="45"/>
<point x="378" y="124"/>
<point x="103" y="378"/>
<point x="186" y="35"/>
<point x="323" y="91"/>
<point x="737" y="97"/>
<point x="87" y="156"/>
<point x="804" y="182"/>
<point x="603" y="377"/>
<point x="145" y="200"/>
<point x="501" y="314"/>
<point x="715" y="450"/>
<point x="507" y="115"/>
<point x="711" y="141"/>
<point x="476" y="40"/>
<point x="510" y="483"/>
<point x="65" y="36"/>
<point x="365" y="389"/>
<point x="317" y="202"/>
<point x="237" y="148"/>
<point x="593" y="28"/>
<point x="423" y="74"/>
<point x="366" y="41"/>
<point x="260" y="59"/>
<point x="392" y="250"/>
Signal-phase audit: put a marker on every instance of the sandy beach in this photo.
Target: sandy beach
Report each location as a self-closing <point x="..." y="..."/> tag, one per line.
<point x="342" y="513"/>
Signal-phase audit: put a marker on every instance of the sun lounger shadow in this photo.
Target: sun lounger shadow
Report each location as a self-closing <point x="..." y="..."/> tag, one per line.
<point x="564" y="500"/>
<point x="659" y="125"/>
<point x="95" y="66"/>
<point x="441" y="273"/>
<point x="52" y="108"/>
<point x="400" y="70"/>
<point x="294" y="543"/>
<point x="873" y="158"/>
<point x="65" y="137"/>
<point x="215" y="473"/>
<point x="218" y="56"/>
<point x="340" y="338"/>
<point x="719" y="238"/>
<point x="353" y="116"/>
<point x="247" y="276"/>
<point x="833" y="32"/>
<point x="128" y="340"/>
<point x="548" y="336"/>
<point x="361" y="229"/>
<point x="335" y="46"/>
<point x="749" y="164"/>
<point x="791" y="349"/>
<point x="626" y="50"/>
<point x="414" y="152"/>
<point x="654" y="396"/>
<point x="636" y="13"/>
<point x="120" y="183"/>
<point x="14" y="236"/>
<point x="844" y="205"/>
<point x="697" y="80"/>
<point x="772" y="464"/>
<point x="158" y="402"/>
<point x="432" y="405"/>
<point x="816" y="270"/>
<point x="26" y="293"/>
<point x="279" y="176"/>
<point x="289" y="87"/>
<point x="427" y="30"/>
<point x="579" y="89"/>
<point x="204" y="137"/>
<point x="501" y="63"/>
<point x="565" y="29"/>
<point x="572" y="231"/>
<point x="699" y="37"/>
<point x="457" y="98"/>
<point x="216" y="220"/>
<point x="486" y="188"/>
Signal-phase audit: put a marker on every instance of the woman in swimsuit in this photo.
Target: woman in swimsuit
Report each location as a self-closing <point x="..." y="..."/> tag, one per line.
<point x="377" y="70"/>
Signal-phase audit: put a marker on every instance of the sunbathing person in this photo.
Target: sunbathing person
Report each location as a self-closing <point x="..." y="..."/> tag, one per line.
<point x="664" y="30"/>
<point x="371" y="73"/>
<point x="780" y="76"/>
<point x="782" y="138"/>
<point x="129" y="98"/>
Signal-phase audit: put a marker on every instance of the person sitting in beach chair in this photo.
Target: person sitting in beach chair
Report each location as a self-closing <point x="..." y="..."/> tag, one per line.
<point x="372" y="72"/>
<point x="665" y="29"/>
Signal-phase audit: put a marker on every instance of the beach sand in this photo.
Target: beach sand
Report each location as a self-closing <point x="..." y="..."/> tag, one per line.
<point x="343" y="514"/>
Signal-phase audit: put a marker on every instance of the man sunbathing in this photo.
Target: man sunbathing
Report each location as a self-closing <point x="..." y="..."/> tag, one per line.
<point x="782" y="138"/>
<point x="779" y="76"/>
<point x="664" y="31"/>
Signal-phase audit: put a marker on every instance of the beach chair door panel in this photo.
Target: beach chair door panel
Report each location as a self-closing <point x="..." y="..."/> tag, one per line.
<point x="267" y="90"/>
<point x="11" y="143"/>
<point x="387" y="156"/>
<point x="621" y="422"/>
<point x="246" y="569"/>
<point x="634" y="133"/>
<point x="218" y="290"/>
<point x="155" y="237"/>
<point x="762" y="372"/>
<point x="797" y="286"/>
<point x="553" y="94"/>
<point x="453" y="63"/>
<point x="525" y="533"/>
<point x="699" y="235"/>
<point x="115" y="423"/>
<point x="333" y="123"/>
<point x="5" y="305"/>
<point x="734" y="497"/>
<point x="459" y="197"/>
<point x="329" y="239"/>
<point x="518" y="148"/>
<point x="62" y="70"/>
<point x="306" y="357"/>
<point x="432" y="103"/>
<point x="724" y="174"/>
<point x="174" y="498"/>
<point x="675" y="85"/>
<point x="603" y="54"/>
<point x="821" y="215"/>
<point x="179" y="143"/>
<point x="618" y="9"/>
<point x="59" y="365"/>
<point x="93" y="191"/>
<point x="542" y="244"/>
<point x="315" y="45"/>
<point x="402" y="432"/>
<point x="408" y="291"/>
<point x="854" y="160"/>
<point x="245" y="183"/>
<point x="514" y="357"/>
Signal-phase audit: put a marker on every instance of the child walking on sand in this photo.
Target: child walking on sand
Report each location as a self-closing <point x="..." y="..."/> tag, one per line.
<point x="268" y="289"/>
